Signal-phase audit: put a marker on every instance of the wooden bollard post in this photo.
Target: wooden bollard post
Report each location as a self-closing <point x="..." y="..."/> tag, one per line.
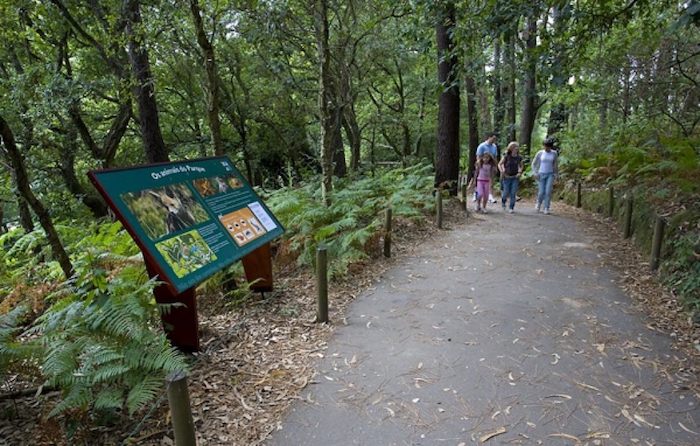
<point x="387" y="233"/>
<point x="322" y="285"/>
<point x="439" y="208"/>
<point x="179" y="399"/>
<point x="611" y="202"/>
<point x="658" y="241"/>
<point x="578" y="194"/>
<point x="628" y="217"/>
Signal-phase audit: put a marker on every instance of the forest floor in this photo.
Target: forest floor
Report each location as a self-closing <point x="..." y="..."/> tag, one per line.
<point x="259" y="358"/>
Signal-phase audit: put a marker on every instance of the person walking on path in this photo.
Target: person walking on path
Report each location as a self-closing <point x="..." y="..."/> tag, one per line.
<point x="485" y="171"/>
<point x="511" y="167"/>
<point x="545" y="165"/>
<point x="488" y="146"/>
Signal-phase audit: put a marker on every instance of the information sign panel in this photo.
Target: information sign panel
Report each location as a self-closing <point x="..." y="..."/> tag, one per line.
<point x="192" y="218"/>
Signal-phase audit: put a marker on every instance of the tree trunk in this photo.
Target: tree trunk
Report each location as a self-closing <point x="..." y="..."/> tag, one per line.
<point x="340" y="168"/>
<point x="352" y="130"/>
<point x="626" y="83"/>
<point x="558" y="114"/>
<point x="447" y="162"/>
<point x="529" y="108"/>
<point x="144" y="90"/>
<point x="499" y="109"/>
<point x="97" y="206"/>
<point x="473" y="121"/>
<point x="212" y="78"/>
<point x="324" y="97"/>
<point x="512" y="99"/>
<point x="421" y="114"/>
<point x="16" y="161"/>
<point x="116" y="133"/>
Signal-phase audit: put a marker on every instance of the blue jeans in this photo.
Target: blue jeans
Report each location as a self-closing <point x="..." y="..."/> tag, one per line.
<point x="544" y="189"/>
<point x="509" y="189"/>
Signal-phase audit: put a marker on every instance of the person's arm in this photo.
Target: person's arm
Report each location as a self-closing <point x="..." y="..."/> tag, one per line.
<point x="521" y="167"/>
<point x="536" y="164"/>
<point x="502" y="165"/>
<point x="556" y="165"/>
<point x="472" y="181"/>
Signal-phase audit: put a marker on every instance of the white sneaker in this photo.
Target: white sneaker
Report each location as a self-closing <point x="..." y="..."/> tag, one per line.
<point x="491" y="199"/>
<point x="484" y="211"/>
<point x="477" y="208"/>
<point x="510" y="211"/>
<point x="537" y="207"/>
<point x="546" y="212"/>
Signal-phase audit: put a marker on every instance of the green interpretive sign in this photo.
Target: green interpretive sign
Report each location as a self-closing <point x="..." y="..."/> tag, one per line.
<point x="193" y="217"/>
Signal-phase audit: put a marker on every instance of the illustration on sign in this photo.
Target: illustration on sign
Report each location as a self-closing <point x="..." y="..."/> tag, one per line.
<point x="192" y="217"/>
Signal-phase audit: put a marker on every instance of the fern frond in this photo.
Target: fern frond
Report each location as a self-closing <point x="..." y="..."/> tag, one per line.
<point x="145" y="390"/>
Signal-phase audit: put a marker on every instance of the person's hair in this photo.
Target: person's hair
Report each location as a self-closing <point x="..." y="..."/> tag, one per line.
<point x="549" y="142"/>
<point x="492" y="160"/>
<point x="492" y="134"/>
<point x="512" y="145"/>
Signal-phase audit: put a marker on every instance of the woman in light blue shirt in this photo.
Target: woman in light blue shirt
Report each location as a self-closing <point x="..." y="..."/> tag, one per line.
<point x="545" y="166"/>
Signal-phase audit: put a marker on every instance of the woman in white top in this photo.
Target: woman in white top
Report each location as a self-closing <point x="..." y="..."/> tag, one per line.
<point x="545" y="165"/>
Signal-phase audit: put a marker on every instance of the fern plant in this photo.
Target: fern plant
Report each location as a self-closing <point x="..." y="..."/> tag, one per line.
<point x="354" y="219"/>
<point x="103" y="344"/>
<point x="16" y="357"/>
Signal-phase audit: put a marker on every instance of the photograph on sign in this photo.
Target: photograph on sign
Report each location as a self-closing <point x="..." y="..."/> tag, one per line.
<point x="186" y="253"/>
<point x="165" y="210"/>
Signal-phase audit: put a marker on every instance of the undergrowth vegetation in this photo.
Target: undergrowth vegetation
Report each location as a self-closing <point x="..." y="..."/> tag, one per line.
<point x="97" y="337"/>
<point x="351" y="227"/>
<point x="661" y="174"/>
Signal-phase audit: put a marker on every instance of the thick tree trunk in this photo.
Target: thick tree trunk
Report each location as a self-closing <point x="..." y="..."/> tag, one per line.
<point x="212" y="78"/>
<point x="529" y="108"/>
<point x="324" y="97"/>
<point x="512" y="99"/>
<point x="473" y="121"/>
<point x="16" y="162"/>
<point x="447" y="162"/>
<point x="149" y="122"/>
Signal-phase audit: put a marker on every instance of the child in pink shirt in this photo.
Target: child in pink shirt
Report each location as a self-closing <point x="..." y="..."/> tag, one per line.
<point x="485" y="171"/>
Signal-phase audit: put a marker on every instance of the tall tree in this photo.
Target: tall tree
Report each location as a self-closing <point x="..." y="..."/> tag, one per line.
<point x="530" y="95"/>
<point x="325" y="96"/>
<point x="15" y="159"/>
<point x="149" y="121"/>
<point x="212" y="78"/>
<point x="558" y="113"/>
<point x="447" y="162"/>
